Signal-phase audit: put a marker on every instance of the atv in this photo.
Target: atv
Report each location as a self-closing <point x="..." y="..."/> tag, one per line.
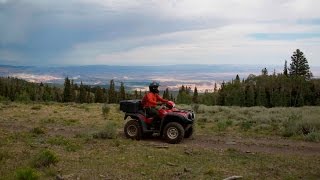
<point x="174" y="124"/>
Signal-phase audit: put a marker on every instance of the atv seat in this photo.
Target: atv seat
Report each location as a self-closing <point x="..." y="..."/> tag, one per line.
<point x="144" y="113"/>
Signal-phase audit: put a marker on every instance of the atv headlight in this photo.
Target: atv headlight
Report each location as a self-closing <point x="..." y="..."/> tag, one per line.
<point x="191" y="116"/>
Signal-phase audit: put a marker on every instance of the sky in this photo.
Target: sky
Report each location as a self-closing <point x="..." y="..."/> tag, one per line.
<point x="157" y="32"/>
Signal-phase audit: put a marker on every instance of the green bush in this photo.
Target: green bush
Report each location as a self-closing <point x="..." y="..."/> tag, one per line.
<point x="58" y="140"/>
<point x="24" y="97"/>
<point x="26" y="174"/>
<point x="246" y="125"/>
<point x="108" y="132"/>
<point x="37" y="131"/>
<point x="44" y="159"/>
<point x="296" y="125"/>
<point x="313" y="137"/>
<point x="105" y="110"/>
<point x="62" y="141"/>
<point x="222" y="125"/>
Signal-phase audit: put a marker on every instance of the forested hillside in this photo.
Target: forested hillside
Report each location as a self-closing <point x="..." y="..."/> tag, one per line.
<point x="290" y="88"/>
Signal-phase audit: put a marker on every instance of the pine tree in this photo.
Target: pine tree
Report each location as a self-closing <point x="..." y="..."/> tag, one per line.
<point x="237" y="80"/>
<point x="285" y="68"/>
<point x="136" y="94"/>
<point x="122" y="92"/>
<point x="215" y="87"/>
<point x="82" y="95"/>
<point x="299" y="65"/>
<point x="166" y="94"/>
<point x="112" y="92"/>
<point x="73" y="91"/>
<point x="195" y="95"/>
<point x="67" y="96"/>
<point x="99" y="95"/>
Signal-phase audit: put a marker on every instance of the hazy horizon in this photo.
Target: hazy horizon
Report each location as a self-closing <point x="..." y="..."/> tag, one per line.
<point x="138" y="77"/>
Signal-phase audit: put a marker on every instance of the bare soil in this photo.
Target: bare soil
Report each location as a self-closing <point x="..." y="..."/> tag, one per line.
<point x="273" y="145"/>
<point x="269" y="145"/>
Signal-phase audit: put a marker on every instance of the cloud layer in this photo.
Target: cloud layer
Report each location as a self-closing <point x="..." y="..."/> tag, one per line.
<point x="144" y="32"/>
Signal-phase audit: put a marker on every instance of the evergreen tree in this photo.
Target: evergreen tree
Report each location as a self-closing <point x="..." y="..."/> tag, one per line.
<point x="195" y="95"/>
<point x="299" y="65"/>
<point x="67" y="96"/>
<point x="83" y="93"/>
<point x="73" y="91"/>
<point x="136" y="96"/>
<point x="215" y="87"/>
<point x="237" y="80"/>
<point x="122" y="92"/>
<point x="99" y="98"/>
<point x="285" y="69"/>
<point x="112" y="92"/>
<point x="166" y="94"/>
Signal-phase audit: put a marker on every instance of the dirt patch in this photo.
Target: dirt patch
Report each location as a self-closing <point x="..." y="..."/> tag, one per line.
<point x="273" y="145"/>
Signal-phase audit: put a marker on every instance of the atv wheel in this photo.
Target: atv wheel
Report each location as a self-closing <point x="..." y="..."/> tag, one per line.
<point x="189" y="132"/>
<point x="173" y="133"/>
<point x="132" y="130"/>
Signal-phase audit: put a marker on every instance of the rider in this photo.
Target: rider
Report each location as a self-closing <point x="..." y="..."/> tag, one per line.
<point x="151" y="99"/>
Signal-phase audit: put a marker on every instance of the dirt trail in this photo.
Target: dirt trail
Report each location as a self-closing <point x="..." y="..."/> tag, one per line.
<point x="271" y="145"/>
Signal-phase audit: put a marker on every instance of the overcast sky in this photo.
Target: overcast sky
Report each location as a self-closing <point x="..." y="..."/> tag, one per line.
<point x="157" y="32"/>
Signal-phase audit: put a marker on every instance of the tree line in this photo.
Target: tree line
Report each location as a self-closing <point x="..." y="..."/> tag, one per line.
<point x="15" y="89"/>
<point x="293" y="87"/>
<point x="290" y="88"/>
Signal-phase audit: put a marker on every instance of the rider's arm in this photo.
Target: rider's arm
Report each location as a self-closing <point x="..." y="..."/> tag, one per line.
<point x="161" y="99"/>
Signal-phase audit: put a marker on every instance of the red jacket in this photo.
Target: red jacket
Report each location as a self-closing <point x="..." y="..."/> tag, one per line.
<point x="151" y="99"/>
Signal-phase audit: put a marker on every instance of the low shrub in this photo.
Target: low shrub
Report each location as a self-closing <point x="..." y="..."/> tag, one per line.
<point x="26" y="174"/>
<point x="44" y="159"/>
<point x="296" y="125"/>
<point x="222" y="125"/>
<point x="106" y="110"/>
<point x="108" y="132"/>
<point x="58" y="140"/>
<point x="246" y="125"/>
<point x="37" y="131"/>
<point x="313" y="137"/>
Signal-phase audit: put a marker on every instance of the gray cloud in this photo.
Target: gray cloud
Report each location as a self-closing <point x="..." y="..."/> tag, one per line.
<point x="94" y="31"/>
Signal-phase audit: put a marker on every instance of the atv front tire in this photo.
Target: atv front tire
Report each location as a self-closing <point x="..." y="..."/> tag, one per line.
<point x="132" y="129"/>
<point x="188" y="132"/>
<point x="173" y="133"/>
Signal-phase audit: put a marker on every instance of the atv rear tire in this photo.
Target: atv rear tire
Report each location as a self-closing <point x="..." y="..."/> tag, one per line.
<point x="173" y="133"/>
<point x="188" y="133"/>
<point x="132" y="129"/>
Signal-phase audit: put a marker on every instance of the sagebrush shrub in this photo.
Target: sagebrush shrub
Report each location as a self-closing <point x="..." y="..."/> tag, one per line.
<point x="106" y="110"/>
<point x="26" y="174"/>
<point x="108" y="132"/>
<point x="44" y="159"/>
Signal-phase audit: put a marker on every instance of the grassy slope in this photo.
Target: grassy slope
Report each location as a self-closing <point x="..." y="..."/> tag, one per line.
<point x="67" y="130"/>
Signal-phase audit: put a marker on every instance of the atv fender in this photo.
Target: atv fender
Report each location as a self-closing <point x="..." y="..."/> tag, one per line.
<point x="139" y="118"/>
<point x="170" y="117"/>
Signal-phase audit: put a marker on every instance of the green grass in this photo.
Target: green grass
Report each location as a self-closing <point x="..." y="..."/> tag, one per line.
<point x="76" y="139"/>
<point x="44" y="158"/>
<point x="26" y="174"/>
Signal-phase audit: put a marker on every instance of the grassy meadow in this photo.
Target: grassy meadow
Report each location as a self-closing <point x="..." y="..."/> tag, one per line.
<point x="85" y="141"/>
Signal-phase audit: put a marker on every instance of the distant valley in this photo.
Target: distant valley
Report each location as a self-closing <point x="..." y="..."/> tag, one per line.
<point x="138" y="77"/>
